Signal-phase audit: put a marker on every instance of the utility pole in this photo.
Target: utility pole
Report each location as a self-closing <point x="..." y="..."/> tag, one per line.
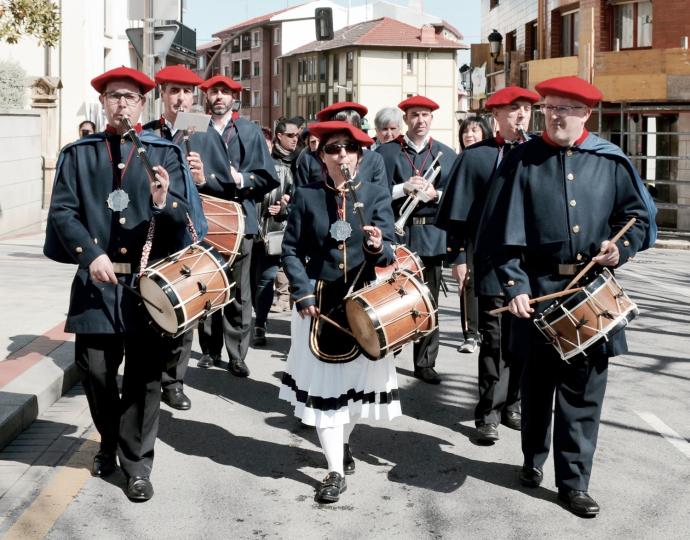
<point x="148" y="54"/>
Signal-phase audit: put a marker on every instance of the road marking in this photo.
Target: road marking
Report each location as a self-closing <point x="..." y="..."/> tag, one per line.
<point x="666" y="432"/>
<point x="56" y="496"/>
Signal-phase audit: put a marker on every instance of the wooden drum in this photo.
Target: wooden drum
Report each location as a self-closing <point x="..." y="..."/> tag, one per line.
<point x="225" y="226"/>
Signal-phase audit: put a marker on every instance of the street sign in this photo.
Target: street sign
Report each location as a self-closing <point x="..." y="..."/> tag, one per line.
<point x="163" y="37"/>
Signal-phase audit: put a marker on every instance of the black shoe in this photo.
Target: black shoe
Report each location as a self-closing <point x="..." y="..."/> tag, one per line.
<point x="512" y="419"/>
<point x="427" y="374"/>
<point x="487" y="433"/>
<point x="531" y="476"/>
<point x="216" y="360"/>
<point x="139" y="488"/>
<point x="176" y="398"/>
<point x="205" y="361"/>
<point x="331" y="487"/>
<point x="238" y="368"/>
<point x="103" y="464"/>
<point x="348" y="460"/>
<point x="579" y="502"/>
<point x="259" y="336"/>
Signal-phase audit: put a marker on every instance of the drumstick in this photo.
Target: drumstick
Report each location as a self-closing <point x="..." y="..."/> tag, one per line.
<point x="539" y="299"/>
<point x="338" y="326"/>
<point x="615" y="239"/>
<point x="136" y="293"/>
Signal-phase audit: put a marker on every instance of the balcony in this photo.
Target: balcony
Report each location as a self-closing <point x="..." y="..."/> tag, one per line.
<point x="643" y="75"/>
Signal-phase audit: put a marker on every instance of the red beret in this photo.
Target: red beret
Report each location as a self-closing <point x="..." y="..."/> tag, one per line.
<point x="178" y="74"/>
<point x="145" y="84"/>
<point x="571" y="87"/>
<point x="418" y="101"/>
<point x="509" y="94"/>
<point x="323" y="129"/>
<point x="330" y="111"/>
<point x="220" y="79"/>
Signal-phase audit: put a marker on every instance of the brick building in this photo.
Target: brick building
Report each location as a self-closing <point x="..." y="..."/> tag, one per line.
<point x="634" y="51"/>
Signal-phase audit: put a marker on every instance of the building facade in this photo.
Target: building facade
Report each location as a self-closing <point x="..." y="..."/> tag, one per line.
<point x="635" y="51"/>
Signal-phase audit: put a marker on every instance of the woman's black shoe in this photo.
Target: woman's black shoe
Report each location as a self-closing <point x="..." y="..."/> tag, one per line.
<point x="348" y="460"/>
<point x="331" y="487"/>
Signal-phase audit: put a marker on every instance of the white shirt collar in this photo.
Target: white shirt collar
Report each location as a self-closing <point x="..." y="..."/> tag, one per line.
<point x="414" y="147"/>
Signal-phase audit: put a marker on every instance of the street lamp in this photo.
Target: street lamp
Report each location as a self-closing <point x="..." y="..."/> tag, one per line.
<point x="495" y="40"/>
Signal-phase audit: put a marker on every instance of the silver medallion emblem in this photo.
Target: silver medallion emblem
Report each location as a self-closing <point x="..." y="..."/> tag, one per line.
<point x="118" y="200"/>
<point x="341" y="230"/>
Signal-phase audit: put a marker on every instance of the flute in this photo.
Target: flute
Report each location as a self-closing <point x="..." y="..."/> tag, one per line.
<point x="345" y="170"/>
<point x="523" y="133"/>
<point x="141" y="151"/>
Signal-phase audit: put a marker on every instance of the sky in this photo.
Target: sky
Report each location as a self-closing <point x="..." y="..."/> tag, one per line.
<point x="210" y="16"/>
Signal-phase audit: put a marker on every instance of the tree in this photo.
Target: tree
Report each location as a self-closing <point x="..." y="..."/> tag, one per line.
<point x="37" y="18"/>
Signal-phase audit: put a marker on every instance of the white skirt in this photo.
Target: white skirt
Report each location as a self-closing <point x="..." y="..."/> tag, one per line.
<point x="328" y="394"/>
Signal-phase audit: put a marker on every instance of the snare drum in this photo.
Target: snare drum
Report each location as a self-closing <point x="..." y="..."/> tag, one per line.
<point x="225" y="225"/>
<point x="186" y="286"/>
<point x="388" y="314"/>
<point x="599" y="310"/>
<point x="404" y="259"/>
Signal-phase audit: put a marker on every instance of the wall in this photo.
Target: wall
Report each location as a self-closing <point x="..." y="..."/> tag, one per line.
<point x="21" y="172"/>
<point x="671" y="21"/>
<point x="683" y="172"/>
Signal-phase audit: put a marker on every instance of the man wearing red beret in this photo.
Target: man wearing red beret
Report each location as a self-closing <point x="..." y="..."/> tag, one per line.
<point x="555" y="202"/>
<point x="105" y="215"/>
<point x="371" y="168"/>
<point x="408" y="159"/>
<point x="177" y="84"/>
<point x="498" y="374"/>
<point x="237" y="167"/>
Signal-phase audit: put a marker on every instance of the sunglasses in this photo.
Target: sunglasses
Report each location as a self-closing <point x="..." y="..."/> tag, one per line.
<point x="350" y="148"/>
<point x="290" y="135"/>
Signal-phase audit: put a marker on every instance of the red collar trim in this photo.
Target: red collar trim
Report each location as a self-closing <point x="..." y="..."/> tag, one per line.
<point x="110" y="130"/>
<point x="579" y="140"/>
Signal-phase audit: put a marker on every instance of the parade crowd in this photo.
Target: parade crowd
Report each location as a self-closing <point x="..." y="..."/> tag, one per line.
<point x="175" y="229"/>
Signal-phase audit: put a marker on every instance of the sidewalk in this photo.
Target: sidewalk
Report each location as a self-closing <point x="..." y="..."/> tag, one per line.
<point x="37" y="365"/>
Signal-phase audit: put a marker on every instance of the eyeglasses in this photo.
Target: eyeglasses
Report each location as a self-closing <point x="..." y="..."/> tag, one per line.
<point x="130" y="97"/>
<point x="291" y="135"/>
<point x="350" y="148"/>
<point x="560" y="110"/>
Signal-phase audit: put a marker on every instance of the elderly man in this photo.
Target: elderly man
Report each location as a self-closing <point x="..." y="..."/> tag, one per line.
<point x="408" y="158"/>
<point x="106" y="215"/>
<point x="498" y="374"/>
<point x="553" y="206"/>
<point x="238" y="166"/>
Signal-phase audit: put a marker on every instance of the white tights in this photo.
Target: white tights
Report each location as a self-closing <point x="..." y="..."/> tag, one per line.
<point x="332" y="440"/>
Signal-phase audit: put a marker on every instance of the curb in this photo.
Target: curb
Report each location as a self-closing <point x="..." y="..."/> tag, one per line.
<point x="36" y="376"/>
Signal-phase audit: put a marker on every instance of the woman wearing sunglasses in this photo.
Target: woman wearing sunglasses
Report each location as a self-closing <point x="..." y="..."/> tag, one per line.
<point x="327" y="252"/>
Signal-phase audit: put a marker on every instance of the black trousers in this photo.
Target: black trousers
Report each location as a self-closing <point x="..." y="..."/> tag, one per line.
<point x="579" y="390"/>
<point x="498" y="371"/>
<point x="469" y="304"/>
<point x="128" y="423"/>
<point x="180" y="351"/>
<point x="232" y="324"/>
<point x="425" y="350"/>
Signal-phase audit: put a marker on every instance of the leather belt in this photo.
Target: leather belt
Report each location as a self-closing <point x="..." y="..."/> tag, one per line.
<point x="430" y="220"/>
<point x="122" y="268"/>
<point x="570" y="269"/>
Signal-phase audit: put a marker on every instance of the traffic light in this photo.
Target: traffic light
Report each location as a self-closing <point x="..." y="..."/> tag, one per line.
<point x="323" y="17"/>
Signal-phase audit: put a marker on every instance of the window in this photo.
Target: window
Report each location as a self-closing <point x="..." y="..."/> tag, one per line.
<point x="632" y="24"/>
<point x="288" y="73"/>
<point x="245" y="98"/>
<point x="493" y="4"/>
<point x="255" y="40"/>
<point x="410" y="62"/>
<point x="246" y="41"/>
<point x="288" y="107"/>
<point x="323" y="67"/>
<point x="256" y="99"/>
<point x="236" y="69"/>
<point x="276" y="67"/>
<point x="336" y="68"/>
<point x="245" y="69"/>
<point x="349" y="65"/>
<point x="235" y="45"/>
<point x="257" y="69"/>
<point x="276" y="36"/>
<point x="226" y="71"/>
<point x="531" y="41"/>
<point x="570" y="35"/>
<point x="276" y="98"/>
<point x="299" y="71"/>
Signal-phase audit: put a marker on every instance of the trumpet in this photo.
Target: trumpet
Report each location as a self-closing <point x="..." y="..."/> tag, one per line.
<point x="414" y="198"/>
